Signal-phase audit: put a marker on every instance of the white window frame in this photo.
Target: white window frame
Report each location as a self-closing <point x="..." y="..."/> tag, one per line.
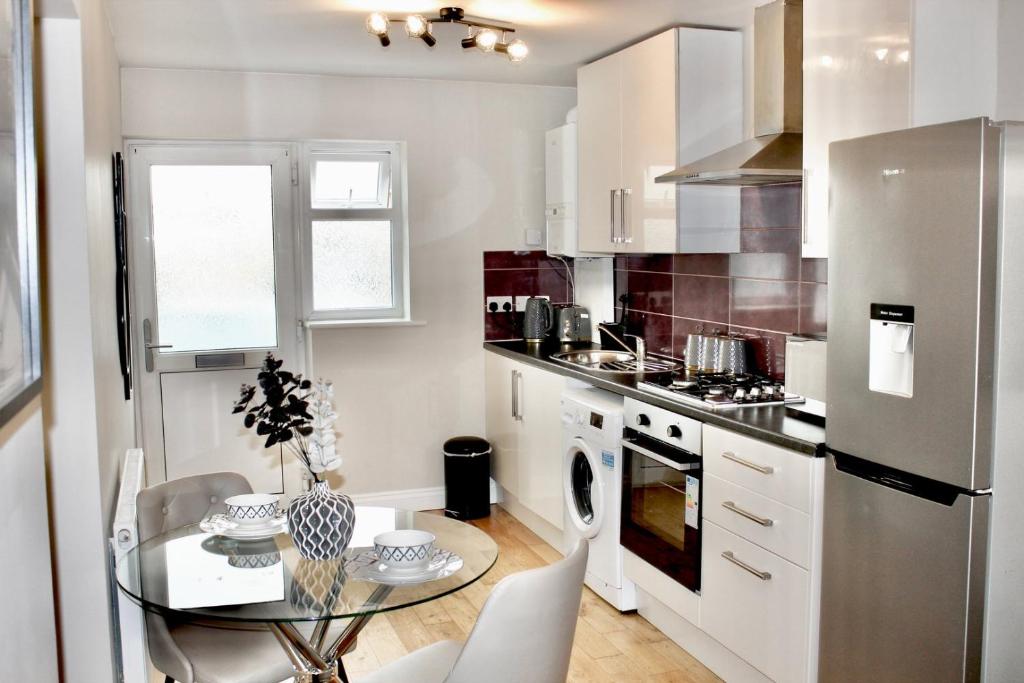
<point x="312" y="151"/>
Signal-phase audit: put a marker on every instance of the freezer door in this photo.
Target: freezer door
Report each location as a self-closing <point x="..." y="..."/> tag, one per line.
<point x="913" y="219"/>
<point x="902" y="582"/>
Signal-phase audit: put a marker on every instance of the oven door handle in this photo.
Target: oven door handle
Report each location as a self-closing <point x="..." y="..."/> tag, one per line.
<point x="680" y="466"/>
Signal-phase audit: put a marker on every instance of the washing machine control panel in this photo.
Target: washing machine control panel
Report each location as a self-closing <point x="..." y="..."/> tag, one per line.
<point x="596" y="416"/>
<point x="664" y="425"/>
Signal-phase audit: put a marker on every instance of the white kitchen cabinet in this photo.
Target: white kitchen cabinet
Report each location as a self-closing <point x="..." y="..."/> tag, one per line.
<point x="879" y="65"/>
<point x="761" y="553"/>
<point x="523" y="413"/>
<point x="631" y="131"/>
<point x="756" y="604"/>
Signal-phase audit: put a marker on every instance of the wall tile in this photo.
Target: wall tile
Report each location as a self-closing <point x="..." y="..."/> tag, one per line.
<point x="656" y="329"/>
<point x="659" y="263"/>
<point x="766" y="240"/>
<point x="782" y="266"/>
<point x="813" y="308"/>
<point x="765" y="305"/>
<point x="701" y="298"/>
<point x="650" y="292"/>
<point x="701" y="264"/>
<point x="814" y="270"/>
<point x="775" y="206"/>
<point x="509" y="274"/>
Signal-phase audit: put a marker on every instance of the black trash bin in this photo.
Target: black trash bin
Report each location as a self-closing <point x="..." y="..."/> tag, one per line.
<point x="467" y="477"/>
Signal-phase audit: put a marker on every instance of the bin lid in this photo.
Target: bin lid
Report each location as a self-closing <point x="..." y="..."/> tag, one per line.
<point x="466" y="446"/>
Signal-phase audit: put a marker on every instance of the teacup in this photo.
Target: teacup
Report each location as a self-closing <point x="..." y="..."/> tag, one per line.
<point x="404" y="548"/>
<point x="252" y="509"/>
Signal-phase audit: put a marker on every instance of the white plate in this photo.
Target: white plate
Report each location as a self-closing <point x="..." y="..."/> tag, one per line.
<point x="366" y="566"/>
<point x="222" y="525"/>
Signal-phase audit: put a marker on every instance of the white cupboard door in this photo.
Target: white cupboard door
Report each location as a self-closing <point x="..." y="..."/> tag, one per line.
<point x="857" y="81"/>
<point x="540" y="473"/>
<point x="600" y="155"/>
<point x="501" y="424"/>
<point x="648" y="104"/>
<point x="756" y="604"/>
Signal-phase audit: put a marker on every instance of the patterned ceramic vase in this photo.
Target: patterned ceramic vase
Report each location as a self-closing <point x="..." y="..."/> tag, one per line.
<point x="321" y="522"/>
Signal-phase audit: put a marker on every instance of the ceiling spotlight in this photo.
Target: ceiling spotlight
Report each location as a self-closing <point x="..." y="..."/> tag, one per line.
<point x="377" y="25"/>
<point x="517" y="51"/>
<point x="417" y="26"/>
<point x="470" y="40"/>
<point x="486" y="39"/>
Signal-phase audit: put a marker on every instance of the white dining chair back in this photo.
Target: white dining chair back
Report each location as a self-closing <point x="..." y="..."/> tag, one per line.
<point x="526" y="628"/>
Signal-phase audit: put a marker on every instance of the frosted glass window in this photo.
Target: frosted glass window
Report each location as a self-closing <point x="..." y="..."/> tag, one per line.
<point x="355" y="181"/>
<point x="352" y="265"/>
<point x="213" y="234"/>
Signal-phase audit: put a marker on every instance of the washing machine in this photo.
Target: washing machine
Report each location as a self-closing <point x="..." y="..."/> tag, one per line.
<point x="592" y="483"/>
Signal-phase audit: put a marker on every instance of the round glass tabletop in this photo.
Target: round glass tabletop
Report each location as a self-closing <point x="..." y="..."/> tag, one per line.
<point x="194" y="575"/>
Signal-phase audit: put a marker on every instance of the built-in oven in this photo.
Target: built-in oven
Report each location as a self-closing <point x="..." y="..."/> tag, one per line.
<point x="661" y="491"/>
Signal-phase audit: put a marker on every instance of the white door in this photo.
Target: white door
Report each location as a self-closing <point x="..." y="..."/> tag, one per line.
<point x="600" y="155"/>
<point x="215" y="288"/>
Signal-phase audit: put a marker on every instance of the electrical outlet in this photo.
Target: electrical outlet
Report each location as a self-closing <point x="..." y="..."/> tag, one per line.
<point x="521" y="301"/>
<point x="498" y="304"/>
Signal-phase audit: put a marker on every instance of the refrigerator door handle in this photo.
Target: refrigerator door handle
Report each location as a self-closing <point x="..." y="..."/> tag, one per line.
<point x="904" y="482"/>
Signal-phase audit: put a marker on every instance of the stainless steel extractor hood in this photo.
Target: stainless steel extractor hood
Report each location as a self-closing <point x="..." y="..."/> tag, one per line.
<point x="775" y="154"/>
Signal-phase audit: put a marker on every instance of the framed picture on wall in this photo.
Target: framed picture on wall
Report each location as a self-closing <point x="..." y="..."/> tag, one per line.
<point x="20" y="348"/>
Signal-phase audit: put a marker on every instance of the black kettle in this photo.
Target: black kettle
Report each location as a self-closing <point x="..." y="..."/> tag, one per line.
<point x="538" y="320"/>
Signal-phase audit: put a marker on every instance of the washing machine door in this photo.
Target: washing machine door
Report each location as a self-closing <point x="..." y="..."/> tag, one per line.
<point x="584" y="488"/>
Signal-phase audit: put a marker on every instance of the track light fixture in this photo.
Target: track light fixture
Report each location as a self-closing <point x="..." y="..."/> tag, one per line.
<point x="487" y="35"/>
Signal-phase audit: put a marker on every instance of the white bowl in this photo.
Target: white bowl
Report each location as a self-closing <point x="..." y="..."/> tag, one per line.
<point x="252" y="509"/>
<point x="405" y="548"/>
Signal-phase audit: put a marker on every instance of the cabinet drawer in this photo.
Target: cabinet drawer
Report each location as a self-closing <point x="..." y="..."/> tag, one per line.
<point x="763" y="619"/>
<point x="777" y="473"/>
<point x="776" y="527"/>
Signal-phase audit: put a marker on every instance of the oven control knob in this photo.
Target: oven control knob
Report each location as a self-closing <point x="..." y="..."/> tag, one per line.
<point x="674" y="432"/>
<point x="642" y="420"/>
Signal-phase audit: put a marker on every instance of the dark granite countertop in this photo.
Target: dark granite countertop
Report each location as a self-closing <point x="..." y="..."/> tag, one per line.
<point x="767" y="424"/>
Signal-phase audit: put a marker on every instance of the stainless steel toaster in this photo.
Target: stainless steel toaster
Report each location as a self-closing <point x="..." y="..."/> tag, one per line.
<point x="572" y="324"/>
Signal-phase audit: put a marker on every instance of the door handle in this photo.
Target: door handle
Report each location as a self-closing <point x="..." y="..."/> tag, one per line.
<point x="516" y="381"/>
<point x="763" y="469"/>
<point x="147" y="343"/>
<point x="764" y="576"/>
<point x="733" y="507"/>
<point x="611" y="217"/>
<point x="625" y="203"/>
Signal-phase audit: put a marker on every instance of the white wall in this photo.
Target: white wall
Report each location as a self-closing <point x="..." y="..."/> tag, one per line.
<point x="88" y="425"/>
<point x="28" y="650"/>
<point x="476" y="182"/>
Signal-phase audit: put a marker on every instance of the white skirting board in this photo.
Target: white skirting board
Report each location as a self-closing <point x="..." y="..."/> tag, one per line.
<point x="430" y="498"/>
<point x="548" y="532"/>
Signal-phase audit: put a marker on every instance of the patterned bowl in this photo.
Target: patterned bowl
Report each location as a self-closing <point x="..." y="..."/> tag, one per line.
<point x="405" y="548"/>
<point x="252" y="509"/>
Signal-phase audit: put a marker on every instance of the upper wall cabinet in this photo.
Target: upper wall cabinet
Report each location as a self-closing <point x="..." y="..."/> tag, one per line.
<point x="637" y="109"/>
<point x="878" y="65"/>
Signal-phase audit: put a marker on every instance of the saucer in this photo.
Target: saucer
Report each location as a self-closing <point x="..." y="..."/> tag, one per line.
<point x="222" y="525"/>
<point x="366" y="566"/>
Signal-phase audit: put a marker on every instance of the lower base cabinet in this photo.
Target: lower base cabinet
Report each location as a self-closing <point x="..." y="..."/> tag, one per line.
<point x="756" y="604"/>
<point x="524" y="426"/>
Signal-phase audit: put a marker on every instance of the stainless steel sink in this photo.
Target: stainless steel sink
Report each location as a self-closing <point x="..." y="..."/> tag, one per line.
<point x="614" y="362"/>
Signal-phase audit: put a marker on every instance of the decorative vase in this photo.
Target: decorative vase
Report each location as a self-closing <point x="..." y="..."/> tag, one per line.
<point x="321" y="522"/>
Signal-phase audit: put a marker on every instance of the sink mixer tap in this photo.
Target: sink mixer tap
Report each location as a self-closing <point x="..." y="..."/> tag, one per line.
<point x="641" y="344"/>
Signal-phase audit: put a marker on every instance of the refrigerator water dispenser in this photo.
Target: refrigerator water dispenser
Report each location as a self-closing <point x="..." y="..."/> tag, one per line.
<point x="891" y="363"/>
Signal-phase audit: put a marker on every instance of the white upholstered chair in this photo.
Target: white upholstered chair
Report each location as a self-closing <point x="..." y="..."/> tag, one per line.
<point x="195" y="654"/>
<point x="524" y="633"/>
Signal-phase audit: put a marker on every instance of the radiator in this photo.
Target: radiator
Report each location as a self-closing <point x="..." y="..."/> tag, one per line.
<point x="132" y="664"/>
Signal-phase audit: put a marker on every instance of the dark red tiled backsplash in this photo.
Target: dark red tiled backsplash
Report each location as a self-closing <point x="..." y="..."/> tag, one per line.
<point x="509" y="273"/>
<point x="763" y="294"/>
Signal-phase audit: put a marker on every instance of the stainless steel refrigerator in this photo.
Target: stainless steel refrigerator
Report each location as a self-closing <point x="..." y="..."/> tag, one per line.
<point x="924" y="332"/>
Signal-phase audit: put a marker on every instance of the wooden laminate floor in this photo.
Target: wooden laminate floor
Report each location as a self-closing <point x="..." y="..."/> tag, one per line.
<point x="610" y="646"/>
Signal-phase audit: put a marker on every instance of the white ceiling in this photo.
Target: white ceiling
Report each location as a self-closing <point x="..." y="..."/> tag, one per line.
<point x="327" y="36"/>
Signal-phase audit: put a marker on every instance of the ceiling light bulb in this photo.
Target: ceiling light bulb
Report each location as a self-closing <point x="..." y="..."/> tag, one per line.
<point x="904" y="56"/>
<point x="486" y="39"/>
<point x="881" y="53"/>
<point x="415" y="25"/>
<point x="377" y="24"/>
<point x="517" y="51"/>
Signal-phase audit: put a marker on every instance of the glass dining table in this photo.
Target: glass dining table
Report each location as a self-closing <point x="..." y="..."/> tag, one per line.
<point x="197" y="577"/>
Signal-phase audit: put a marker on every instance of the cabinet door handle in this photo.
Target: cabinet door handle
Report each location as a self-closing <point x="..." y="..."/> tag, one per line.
<point x="626" y="200"/>
<point x="517" y="377"/>
<point x="763" y="469"/>
<point x="764" y="576"/>
<point x="732" y="507"/>
<point x="611" y="216"/>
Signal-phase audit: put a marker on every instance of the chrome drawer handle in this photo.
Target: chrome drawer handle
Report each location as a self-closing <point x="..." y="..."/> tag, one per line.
<point x="763" y="469"/>
<point x="764" y="576"/>
<point x="732" y="507"/>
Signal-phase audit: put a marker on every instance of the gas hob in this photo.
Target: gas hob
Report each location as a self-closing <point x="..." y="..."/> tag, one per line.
<point x="712" y="391"/>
